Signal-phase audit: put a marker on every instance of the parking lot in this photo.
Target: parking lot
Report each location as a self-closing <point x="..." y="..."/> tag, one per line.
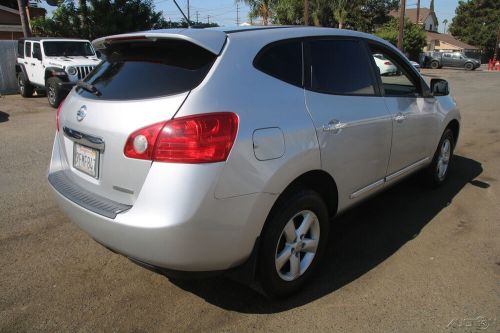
<point x="409" y="259"/>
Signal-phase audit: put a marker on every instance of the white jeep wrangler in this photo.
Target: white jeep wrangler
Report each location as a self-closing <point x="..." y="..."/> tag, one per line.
<point x="53" y="65"/>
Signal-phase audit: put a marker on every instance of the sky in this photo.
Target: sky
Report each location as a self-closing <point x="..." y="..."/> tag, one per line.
<point x="224" y="12"/>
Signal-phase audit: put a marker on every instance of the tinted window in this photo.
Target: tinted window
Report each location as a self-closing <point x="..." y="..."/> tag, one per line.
<point x="55" y="49"/>
<point x="137" y="70"/>
<point x="28" y="49"/>
<point x="36" y="49"/>
<point x="395" y="78"/>
<point x="283" y="61"/>
<point x="339" y="67"/>
<point x="20" y="49"/>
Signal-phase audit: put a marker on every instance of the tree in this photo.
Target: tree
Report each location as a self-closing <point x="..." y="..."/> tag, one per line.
<point x="340" y="10"/>
<point x="260" y="8"/>
<point x="369" y="15"/>
<point x="414" y="36"/>
<point x="101" y="18"/>
<point x="476" y="22"/>
<point x="445" y="22"/>
<point x="24" y="17"/>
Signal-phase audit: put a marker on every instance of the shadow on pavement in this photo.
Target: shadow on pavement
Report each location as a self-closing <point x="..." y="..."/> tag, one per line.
<point x="360" y="240"/>
<point x="4" y="117"/>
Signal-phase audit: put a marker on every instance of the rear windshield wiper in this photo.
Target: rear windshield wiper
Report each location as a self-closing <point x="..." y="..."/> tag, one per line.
<point x="89" y="87"/>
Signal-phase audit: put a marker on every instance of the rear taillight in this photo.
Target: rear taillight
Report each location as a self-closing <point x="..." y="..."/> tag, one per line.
<point x="58" y="114"/>
<point x="388" y="63"/>
<point x="202" y="138"/>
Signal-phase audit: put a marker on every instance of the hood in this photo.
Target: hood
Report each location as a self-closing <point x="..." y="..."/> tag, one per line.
<point x="73" y="61"/>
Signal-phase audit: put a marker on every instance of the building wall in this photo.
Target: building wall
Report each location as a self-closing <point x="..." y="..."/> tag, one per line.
<point x="9" y="18"/>
<point x="10" y="35"/>
<point x="8" y="54"/>
<point x="430" y="24"/>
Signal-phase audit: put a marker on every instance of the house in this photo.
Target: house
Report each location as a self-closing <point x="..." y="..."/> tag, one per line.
<point x="10" y="21"/>
<point x="437" y="41"/>
<point x="426" y="18"/>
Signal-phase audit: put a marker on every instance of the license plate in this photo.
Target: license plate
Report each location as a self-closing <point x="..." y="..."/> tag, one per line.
<point x="86" y="160"/>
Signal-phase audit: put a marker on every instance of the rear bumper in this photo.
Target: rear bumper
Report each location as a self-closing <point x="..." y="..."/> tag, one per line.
<point x="175" y="223"/>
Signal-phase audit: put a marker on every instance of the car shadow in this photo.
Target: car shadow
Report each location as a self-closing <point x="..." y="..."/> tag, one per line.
<point x="4" y="117"/>
<point x="360" y="239"/>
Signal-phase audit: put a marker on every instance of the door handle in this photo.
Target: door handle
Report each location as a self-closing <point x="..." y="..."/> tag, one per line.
<point x="334" y="126"/>
<point x="25" y="62"/>
<point x="399" y="117"/>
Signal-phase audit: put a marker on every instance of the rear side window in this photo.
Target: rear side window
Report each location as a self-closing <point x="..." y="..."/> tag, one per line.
<point x="20" y="49"/>
<point x="283" y="61"/>
<point x="28" y="49"/>
<point x="339" y="67"/>
<point x="147" y="69"/>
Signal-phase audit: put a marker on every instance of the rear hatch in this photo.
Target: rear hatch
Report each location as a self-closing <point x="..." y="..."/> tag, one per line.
<point x="142" y="81"/>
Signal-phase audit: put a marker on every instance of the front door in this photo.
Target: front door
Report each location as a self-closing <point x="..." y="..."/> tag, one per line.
<point x="352" y="123"/>
<point x="37" y="65"/>
<point x="415" y="119"/>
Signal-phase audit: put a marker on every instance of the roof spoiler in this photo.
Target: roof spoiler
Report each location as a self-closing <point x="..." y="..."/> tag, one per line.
<point x="211" y="40"/>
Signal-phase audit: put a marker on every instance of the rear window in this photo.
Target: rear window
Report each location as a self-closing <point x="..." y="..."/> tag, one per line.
<point x="339" y="67"/>
<point x="283" y="61"/>
<point x="147" y="69"/>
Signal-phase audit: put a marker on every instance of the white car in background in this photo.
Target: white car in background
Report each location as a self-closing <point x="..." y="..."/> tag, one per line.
<point x="385" y="66"/>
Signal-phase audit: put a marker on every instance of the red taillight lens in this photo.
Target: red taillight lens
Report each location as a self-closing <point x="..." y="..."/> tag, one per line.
<point x="57" y="114"/>
<point x="388" y="63"/>
<point x="202" y="138"/>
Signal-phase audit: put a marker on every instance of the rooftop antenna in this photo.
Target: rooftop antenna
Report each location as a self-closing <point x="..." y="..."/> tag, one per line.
<point x="185" y="17"/>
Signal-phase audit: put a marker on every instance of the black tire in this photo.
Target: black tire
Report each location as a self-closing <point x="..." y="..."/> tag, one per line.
<point x="434" y="64"/>
<point x="469" y="66"/>
<point x="298" y="205"/>
<point x="54" y="95"/>
<point x="434" y="175"/>
<point x="25" y="88"/>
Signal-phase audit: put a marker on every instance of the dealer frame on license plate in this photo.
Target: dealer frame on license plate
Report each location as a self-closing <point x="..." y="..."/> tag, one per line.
<point x="86" y="160"/>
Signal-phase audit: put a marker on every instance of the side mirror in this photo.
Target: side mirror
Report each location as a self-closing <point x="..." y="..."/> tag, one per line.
<point x="439" y="87"/>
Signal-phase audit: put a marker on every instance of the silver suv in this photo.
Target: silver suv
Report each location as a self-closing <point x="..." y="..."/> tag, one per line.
<point x="207" y="151"/>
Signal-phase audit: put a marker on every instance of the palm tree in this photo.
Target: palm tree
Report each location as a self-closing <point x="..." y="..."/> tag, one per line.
<point x="340" y="8"/>
<point x="445" y="22"/>
<point x="260" y="8"/>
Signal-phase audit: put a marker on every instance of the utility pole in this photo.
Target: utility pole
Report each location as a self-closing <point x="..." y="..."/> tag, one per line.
<point x="306" y="12"/>
<point x="197" y="17"/>
<point x="208" y="19"/>
<point x="418" y="10"/>
<point x="402" y="7"/>
<point x="189" y="16"/>
<point x="22" y="4"/>
<point x="237" y="13"/>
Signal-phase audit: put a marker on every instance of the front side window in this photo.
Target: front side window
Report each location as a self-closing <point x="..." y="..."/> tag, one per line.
<point x="339" y="67"/>
<point x="282" y="61"/>
<point x="396" y="80"/>
<point x="68" y="49"/>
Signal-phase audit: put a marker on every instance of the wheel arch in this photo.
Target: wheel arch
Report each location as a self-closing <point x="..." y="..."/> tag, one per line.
<point x="55" y="72"/>
<point x="454" y="126"/>
<point x="317" y="180"/>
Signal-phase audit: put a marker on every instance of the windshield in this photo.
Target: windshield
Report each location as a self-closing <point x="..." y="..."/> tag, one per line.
<point x="67" y="49"/>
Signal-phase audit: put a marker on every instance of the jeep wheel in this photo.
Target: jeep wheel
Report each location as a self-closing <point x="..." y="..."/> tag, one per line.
<point x="292" y="242"/>
<point x="25" y="88"/>
<point x="53" y="92"/>
<point x="469" y="66"/>
<point x="434" y="64"/>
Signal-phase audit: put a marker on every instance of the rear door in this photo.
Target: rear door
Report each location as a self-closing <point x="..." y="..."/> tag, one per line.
<point x="139" y="84"/>
<point x="415" y="119"/>
<point x="29" y="65"/>
<point x="352" y="123"/>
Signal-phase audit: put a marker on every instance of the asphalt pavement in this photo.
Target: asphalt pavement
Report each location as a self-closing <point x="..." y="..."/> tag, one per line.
<point x="408" y="260"/>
